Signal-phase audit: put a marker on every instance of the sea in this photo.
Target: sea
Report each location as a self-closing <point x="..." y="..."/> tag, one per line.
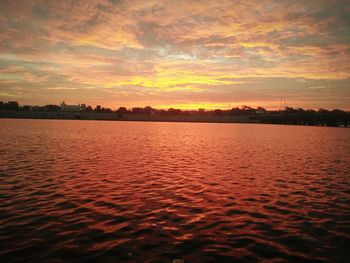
<point x="118" y="191"/>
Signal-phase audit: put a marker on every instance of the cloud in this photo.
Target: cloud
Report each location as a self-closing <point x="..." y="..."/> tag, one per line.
<point x="197" y="51"/>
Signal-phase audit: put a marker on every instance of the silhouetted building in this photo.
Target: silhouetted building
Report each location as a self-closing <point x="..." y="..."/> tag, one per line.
<point x="72" y="108"/>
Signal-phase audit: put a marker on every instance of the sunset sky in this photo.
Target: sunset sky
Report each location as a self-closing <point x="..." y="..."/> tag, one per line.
<point x="183" y="54"/>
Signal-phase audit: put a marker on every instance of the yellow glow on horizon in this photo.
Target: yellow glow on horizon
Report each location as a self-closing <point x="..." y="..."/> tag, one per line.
<point x="204" y="105"/>
<point x="168" y="80"/>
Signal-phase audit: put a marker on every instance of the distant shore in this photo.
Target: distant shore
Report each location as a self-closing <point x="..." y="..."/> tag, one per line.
<point x="113" y="116"/>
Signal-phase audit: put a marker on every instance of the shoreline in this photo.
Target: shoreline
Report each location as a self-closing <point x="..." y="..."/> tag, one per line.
<point x="244" y="119"/>
<point x="125" y="117"/>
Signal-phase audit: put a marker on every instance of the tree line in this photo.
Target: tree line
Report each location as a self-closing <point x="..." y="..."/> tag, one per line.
<point x="289" y="115"/>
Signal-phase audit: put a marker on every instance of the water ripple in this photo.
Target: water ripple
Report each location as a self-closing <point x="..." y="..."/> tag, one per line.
<point x="154" y="192"/>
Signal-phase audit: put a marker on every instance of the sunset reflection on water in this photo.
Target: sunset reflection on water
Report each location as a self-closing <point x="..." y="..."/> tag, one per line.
<point x="133" y="191"/>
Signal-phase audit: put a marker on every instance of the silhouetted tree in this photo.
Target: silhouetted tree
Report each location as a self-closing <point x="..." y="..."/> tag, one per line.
<point x="53" y="108"/>
<point x="218" y="112"/>
<point x="122" y="110"/>
<point x="172" y="111"/>
<point x="11" y="105"/>
<point x="137" y="110"/>
<point x="26" y="108"/>
<point x="98" y="108"/>
<point x="147" y="110"/>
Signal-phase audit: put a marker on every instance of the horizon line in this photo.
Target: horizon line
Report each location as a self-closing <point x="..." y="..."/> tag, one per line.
<point x="241" y="106"/>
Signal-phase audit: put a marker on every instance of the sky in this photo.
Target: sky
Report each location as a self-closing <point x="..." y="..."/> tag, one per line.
<point x="180" y="54"/>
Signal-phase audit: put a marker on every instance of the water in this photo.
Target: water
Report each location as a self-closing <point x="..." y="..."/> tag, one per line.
<point x="155" y="192"/>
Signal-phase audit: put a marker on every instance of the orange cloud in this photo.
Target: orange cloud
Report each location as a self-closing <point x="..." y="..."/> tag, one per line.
<point x="141" y="51"/>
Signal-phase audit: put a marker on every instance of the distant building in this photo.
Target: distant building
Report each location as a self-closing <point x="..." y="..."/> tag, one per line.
<point x="72" y="108"/>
